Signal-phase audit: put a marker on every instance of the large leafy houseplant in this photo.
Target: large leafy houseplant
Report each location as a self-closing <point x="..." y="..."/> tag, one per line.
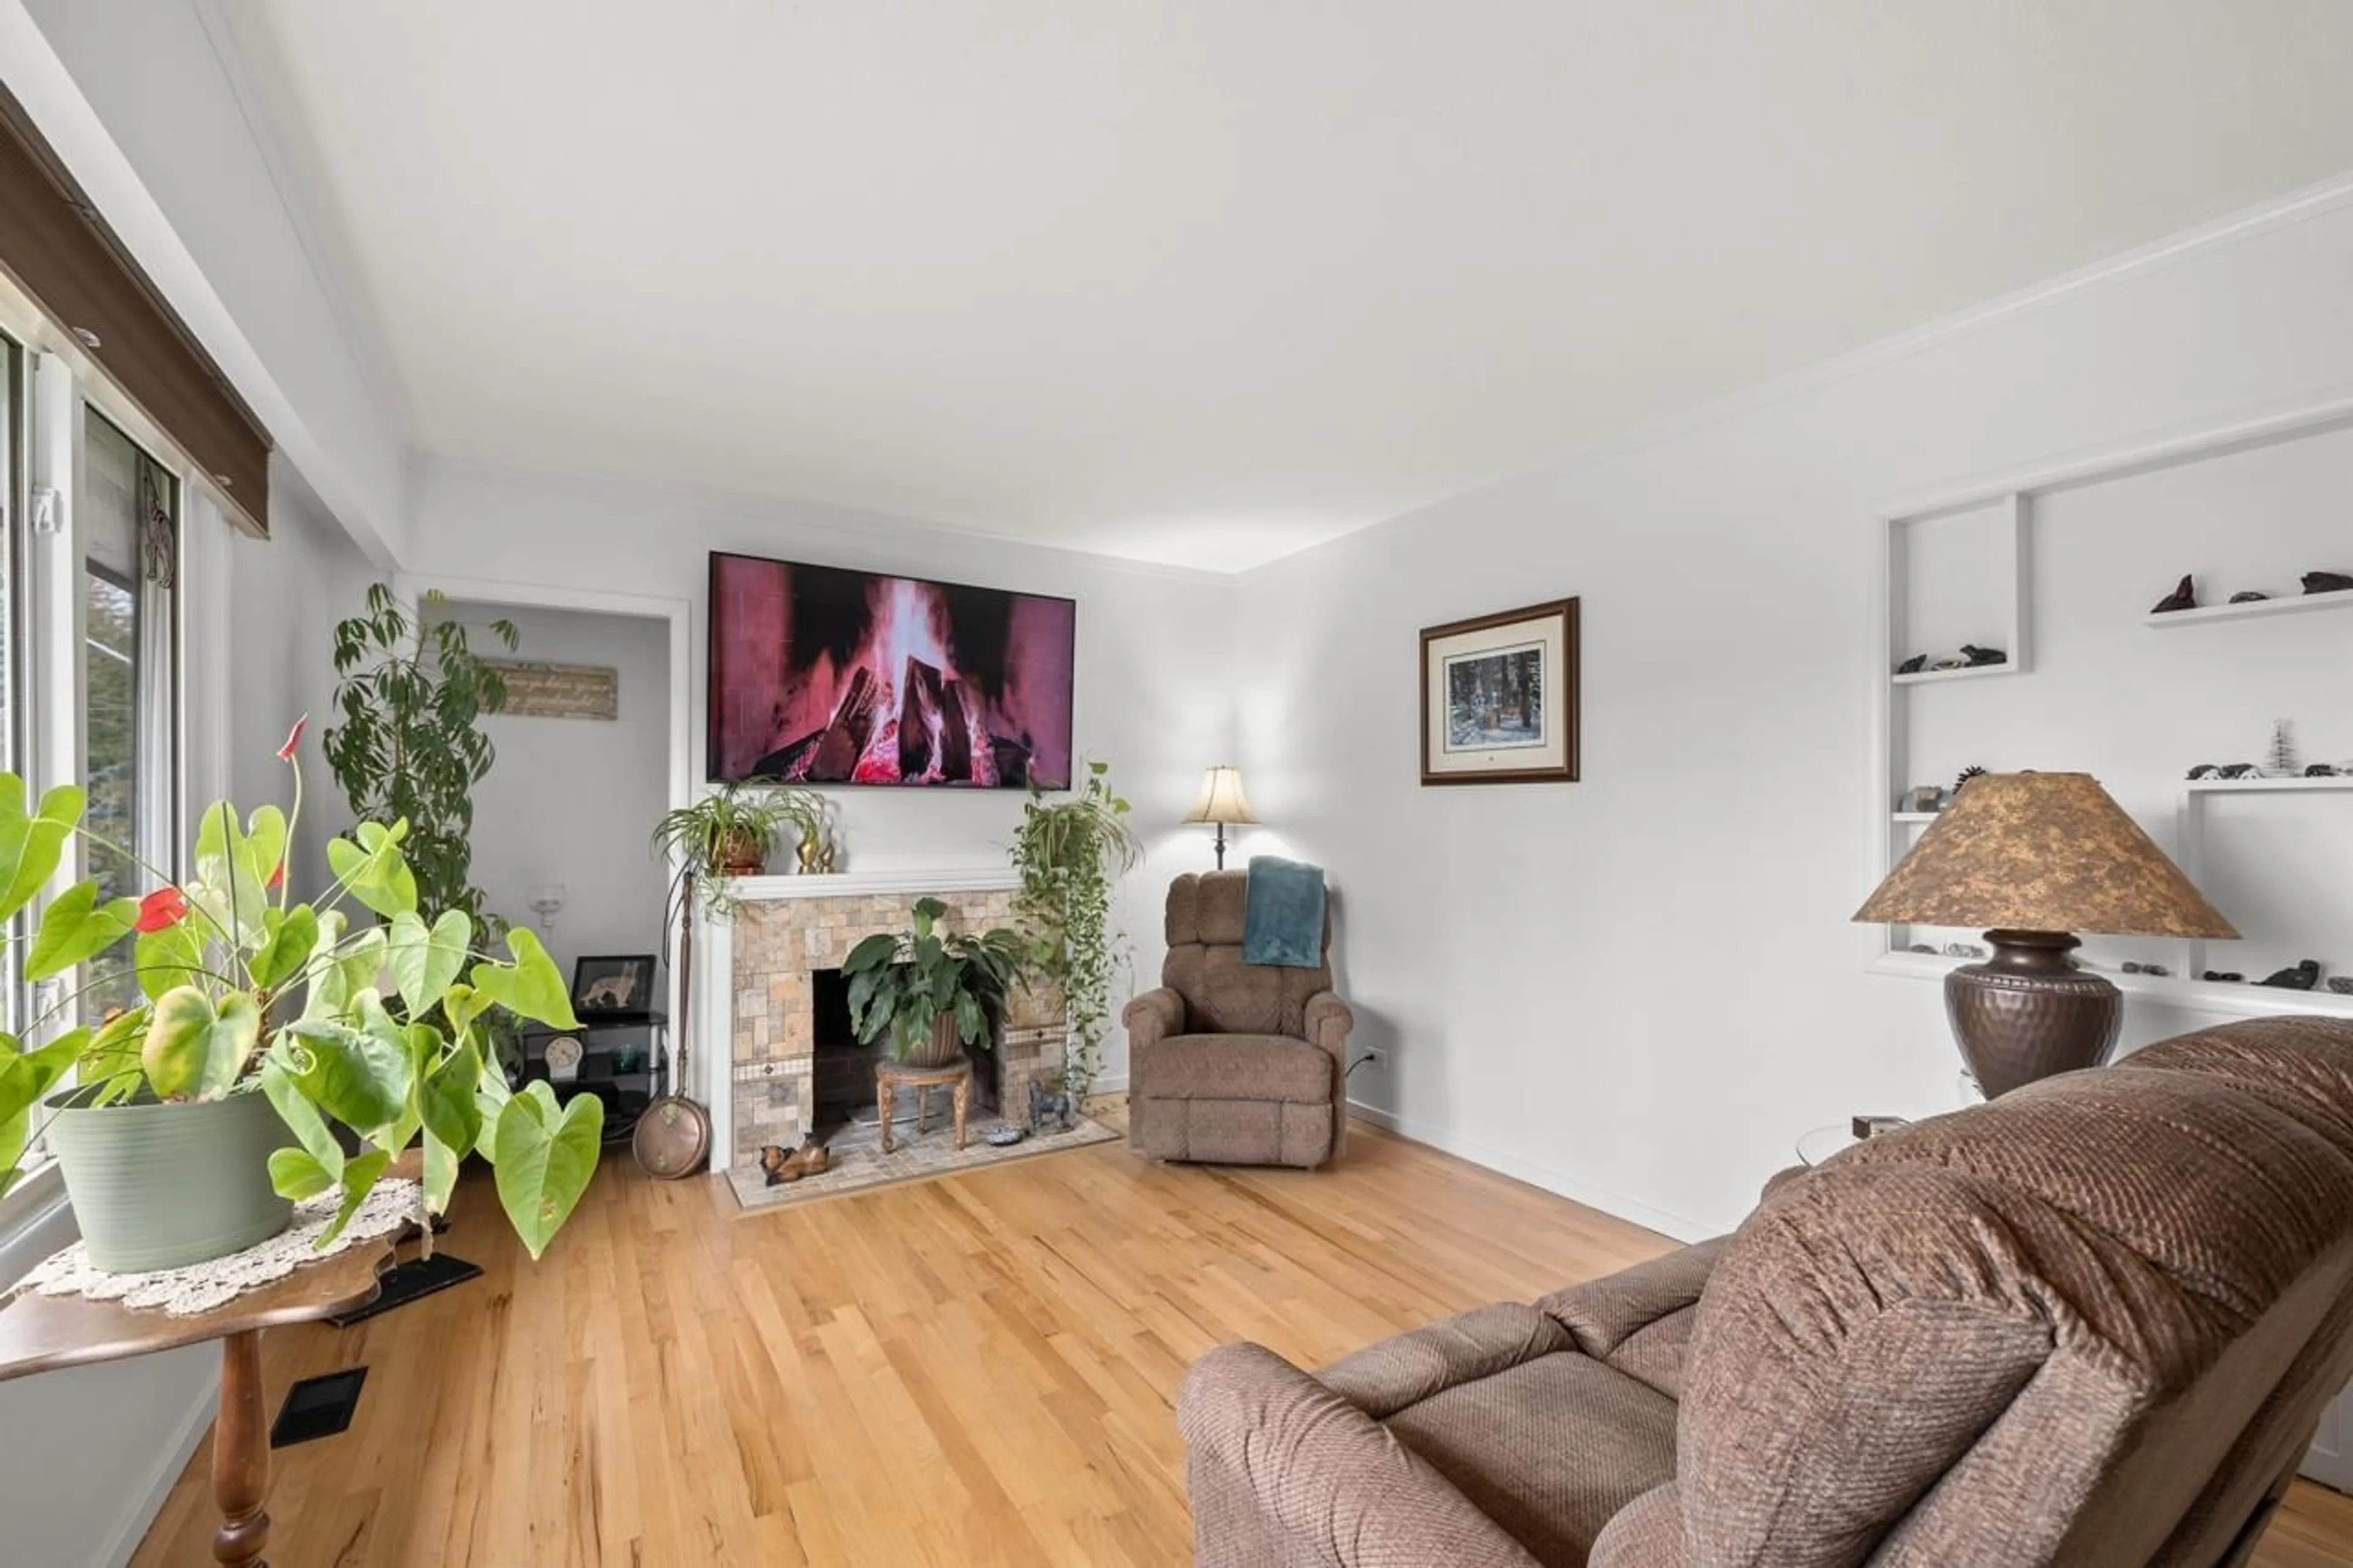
<point x="1069" y="854"/>
<point x="375" y="1028"/>
<point x="728" y="833"/>
<point x="928" y="989"/>
<point x="411" y="748"/>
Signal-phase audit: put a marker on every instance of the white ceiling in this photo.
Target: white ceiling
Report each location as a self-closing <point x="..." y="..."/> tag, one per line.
<point x="1210" y="280"/>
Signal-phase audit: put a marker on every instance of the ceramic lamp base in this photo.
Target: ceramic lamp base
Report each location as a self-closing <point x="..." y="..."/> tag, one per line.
<point x="2028" y="1011"/>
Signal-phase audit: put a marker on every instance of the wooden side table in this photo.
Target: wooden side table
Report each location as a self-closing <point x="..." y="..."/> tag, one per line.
<point x="41" y="1333"/>
<point x="891" y="1076"/>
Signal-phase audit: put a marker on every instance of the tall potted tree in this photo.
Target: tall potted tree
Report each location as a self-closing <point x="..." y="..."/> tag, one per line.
<point x="1069" y="856"/>
<point x="199" y="1115"/>
<point x="411" y="747"/>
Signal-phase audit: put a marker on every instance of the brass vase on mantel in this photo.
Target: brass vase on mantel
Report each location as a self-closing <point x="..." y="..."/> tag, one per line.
<point x="816" y="854"/>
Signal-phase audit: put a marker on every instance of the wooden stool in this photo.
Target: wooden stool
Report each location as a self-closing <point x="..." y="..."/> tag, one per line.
<point x="889" y="1078"/>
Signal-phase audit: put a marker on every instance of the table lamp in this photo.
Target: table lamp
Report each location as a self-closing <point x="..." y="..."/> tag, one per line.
<point x="2034" y="856"/>
<point x="1221" y="801"/>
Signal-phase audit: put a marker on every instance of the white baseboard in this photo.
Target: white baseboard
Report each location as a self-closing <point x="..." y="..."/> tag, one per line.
<point x="149" y="1498"/>
<point x="1613" y="1203"/>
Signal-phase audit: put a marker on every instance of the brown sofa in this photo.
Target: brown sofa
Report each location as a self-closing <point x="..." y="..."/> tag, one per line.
<point x="2093" y="1324"/>
<point x="1234" y="1062"/>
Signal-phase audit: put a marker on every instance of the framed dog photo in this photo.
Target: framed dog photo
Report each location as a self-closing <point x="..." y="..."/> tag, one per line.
<point x="1499" y="697"/>
<point x="616" y="987"/>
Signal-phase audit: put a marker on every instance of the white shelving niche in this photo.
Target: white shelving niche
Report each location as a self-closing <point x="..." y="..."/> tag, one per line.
<point x="2060" y="566"/>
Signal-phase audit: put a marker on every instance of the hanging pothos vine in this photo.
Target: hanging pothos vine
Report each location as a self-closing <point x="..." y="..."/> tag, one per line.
<point x="1069" y="854"/>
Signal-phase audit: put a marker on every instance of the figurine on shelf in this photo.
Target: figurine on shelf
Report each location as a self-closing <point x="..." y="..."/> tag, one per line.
<point x="2303" y="977"/>
<point x="1922" y="798"/>
<point x="2341" y="983"/>
<point x="1963" y="950"/>
<point x="2327" y="583"/>
<point x="1927" y="947"/>
<point x="1979" y="658"/>
<point x="2225" y="977"/>
<point x="2205" y="771"/>
<point x="2184" y="597"/>
<point x="2281" y="761"/>
<point x="1949" y="661"/>
<point x="1913" y="666"/>
<point x="2321" y="771"/>
<point x="2248" y="596"/>
<point x="2136" y="967"/>
<point x="2239" y="771"/>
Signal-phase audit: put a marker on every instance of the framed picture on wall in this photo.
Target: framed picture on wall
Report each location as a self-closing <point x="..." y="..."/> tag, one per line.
<point x="1499" y="697"/>
<point x="613" y="987"/>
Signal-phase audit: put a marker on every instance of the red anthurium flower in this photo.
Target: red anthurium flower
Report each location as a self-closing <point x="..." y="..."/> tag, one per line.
<point x="276" y="878"/>
<point x="293" y="738"/>
<point x="161" y="909"/>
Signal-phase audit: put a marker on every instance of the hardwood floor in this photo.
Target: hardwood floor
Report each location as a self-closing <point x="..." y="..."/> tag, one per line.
<point x="975" y="1370"/>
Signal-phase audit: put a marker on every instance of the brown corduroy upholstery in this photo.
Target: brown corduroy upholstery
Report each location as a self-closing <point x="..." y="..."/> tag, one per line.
<point x="1230" y="1062"/>
<point x="2092" y="1324"/>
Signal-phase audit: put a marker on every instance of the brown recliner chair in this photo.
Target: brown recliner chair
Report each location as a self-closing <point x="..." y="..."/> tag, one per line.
<point x="2092" y="1324"/>
<point x="1232" y="1062"/>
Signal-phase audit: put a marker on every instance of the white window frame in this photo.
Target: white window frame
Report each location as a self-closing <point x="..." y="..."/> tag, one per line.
<point x="59" y="382"/>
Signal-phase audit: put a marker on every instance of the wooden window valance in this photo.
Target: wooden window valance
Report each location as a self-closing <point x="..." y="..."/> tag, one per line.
<point x="63" y="254"/>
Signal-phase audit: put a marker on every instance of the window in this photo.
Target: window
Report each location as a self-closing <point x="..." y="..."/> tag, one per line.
<point x="126" y="531"/>
<point x="12" y="508"/>
<point x="90" y="631"/>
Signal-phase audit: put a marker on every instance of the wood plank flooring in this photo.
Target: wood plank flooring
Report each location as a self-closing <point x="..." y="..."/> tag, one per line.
<point x="977" y="1370"/>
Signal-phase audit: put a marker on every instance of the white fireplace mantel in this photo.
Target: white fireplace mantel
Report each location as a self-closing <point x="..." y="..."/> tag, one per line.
<point x="839" y="884"/>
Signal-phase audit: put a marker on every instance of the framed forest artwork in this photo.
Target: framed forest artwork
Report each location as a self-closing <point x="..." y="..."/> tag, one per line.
<point x="1499" y="697"/>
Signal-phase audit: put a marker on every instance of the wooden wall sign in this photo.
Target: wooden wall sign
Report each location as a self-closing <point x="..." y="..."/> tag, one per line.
<point x="558" y="690"/>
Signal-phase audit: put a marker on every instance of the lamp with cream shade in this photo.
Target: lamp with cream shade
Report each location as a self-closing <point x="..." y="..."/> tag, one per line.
<point x="2034" y="856"/>
<point x="1221" y="802"/>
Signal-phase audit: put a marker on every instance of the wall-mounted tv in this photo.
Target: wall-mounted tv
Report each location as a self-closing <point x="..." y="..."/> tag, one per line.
<point x="824" y="675"/>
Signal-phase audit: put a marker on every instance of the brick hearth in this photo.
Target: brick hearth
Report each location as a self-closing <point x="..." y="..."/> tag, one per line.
<point x="779" y="942"/>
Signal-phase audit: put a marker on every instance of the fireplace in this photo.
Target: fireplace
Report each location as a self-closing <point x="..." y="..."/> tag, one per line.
<point x="773" y="1013"/>
<point x="841" y="1067"/>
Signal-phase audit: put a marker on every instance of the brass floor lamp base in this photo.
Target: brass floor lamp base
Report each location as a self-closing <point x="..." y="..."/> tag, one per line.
<point x="2028" y="1011"/>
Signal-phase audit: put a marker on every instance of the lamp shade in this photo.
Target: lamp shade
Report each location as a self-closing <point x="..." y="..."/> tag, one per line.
<point x="2041" y="852"/>
<point x="1221" y="798"/>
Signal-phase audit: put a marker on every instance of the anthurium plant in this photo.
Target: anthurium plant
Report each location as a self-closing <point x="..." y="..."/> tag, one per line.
<point x="376" y="1024"/>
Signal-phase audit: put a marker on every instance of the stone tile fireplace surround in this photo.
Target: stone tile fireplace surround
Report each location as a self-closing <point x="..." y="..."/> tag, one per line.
<point x="755" y="1026"/>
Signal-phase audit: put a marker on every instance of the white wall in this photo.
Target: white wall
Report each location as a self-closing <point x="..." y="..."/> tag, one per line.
<point x="1155" y="670"/>
<point x="1643" y="988"/>
<point x="571" y="801"/>
<point x="286" y="594"/>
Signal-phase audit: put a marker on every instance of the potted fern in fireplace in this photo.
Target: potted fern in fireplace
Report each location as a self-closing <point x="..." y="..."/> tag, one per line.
<point x="932" y="992"/>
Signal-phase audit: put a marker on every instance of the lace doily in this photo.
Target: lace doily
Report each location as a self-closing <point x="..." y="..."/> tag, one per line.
<point x="201" y="1287"/>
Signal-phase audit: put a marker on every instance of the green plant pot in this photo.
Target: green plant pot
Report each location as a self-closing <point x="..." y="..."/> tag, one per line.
<point x="158" y="1186"/>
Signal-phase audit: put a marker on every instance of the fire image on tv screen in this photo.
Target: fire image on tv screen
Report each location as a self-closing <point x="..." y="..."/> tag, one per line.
<point x="824" y="675"/>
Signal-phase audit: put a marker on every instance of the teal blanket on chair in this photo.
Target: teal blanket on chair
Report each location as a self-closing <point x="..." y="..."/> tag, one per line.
<point x="1283" y="913"/>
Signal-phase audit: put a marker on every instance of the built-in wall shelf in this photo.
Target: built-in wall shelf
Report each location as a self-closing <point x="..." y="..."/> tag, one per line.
<point x="1927" y="676"/>
<point x="2286" y="605"/>
<point x="2263" y="786"/>
<point x="2204" y="996"/>
<point x="1960" y="566"/>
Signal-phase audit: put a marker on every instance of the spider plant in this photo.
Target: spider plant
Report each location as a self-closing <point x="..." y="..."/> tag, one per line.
<point x="728" y="833"/>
